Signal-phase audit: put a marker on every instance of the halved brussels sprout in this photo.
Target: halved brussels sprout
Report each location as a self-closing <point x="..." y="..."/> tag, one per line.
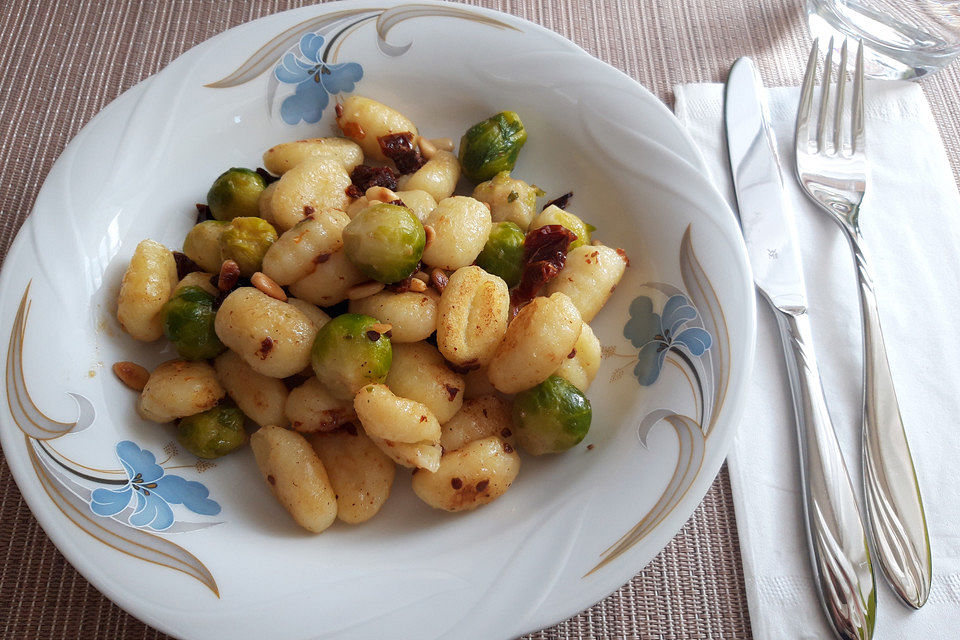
<point x="350" y="353"/>
<point x="551" y="417"/>
<point x="492" y="146"/>
<point x="213" y="433"/>
<point x="235" y="194"/>
<point x="503" y="254"/>
<point x="188" y="322"/>
<point x="246" y="241"/>
<point x="385" y="241"/>
<point x="555" y="215"/>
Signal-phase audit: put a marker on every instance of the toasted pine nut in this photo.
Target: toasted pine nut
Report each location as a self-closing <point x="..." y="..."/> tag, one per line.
<point x="596" y="243"/>
<point x="381" y="194"/>
<point x="266" y="284"/>
<point x="443" y="144"/>
<point x="131" y="374"/>
<point x="427" y="148"/>
<point x="431" y="234"/>
<point x="381" y="327"/>
<point x="364" y="289"/>
<point x="439" y="280"/>
<point x="229" y="275"/>
<point x="418" y="285"/>
<point x="422" y="275"/>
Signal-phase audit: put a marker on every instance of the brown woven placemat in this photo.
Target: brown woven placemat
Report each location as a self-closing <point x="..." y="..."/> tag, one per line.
<point x="62" y="61"/>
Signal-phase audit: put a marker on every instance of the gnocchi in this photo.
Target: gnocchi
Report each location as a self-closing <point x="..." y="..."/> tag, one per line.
<point x="589" y="278"/>
<point x="461" y="225"/>
<point x="474" y="475"/>
<point x="273" y="337"/>
<point x="179" y="388"/>
<point x="147" y="285"/>
<point x="296" y="476"/>
<point x="260" y="397"/>
<point x="360" y="473"/>
<point x="459" y="328"/>
<point x="535" y="344"/>
<point x="472" y="316"/>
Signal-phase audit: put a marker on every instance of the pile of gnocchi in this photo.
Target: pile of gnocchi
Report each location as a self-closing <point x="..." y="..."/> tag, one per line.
<point x="354" y="314"/>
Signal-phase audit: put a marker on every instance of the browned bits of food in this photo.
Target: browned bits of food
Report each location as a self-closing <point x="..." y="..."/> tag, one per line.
<point x="203" y="213"/>
<point x="266" y="346"/>
<point x="271" y="479"/>
<point x="338" y="109"/>
<point x="364" y="289"/>
<point x="131" y="374"/>
<point x="431" y="234"/>
<point x="321" y="258"/>
<point x="456" y="483"/>
<point x="560" y="202"/>
<point x="506" y="433"/>
<point x="364" y="176"/>
<point x="266" y="284"/>
<point x="399" y="147"/>
<point x="352" y="129"/>
<point x="544" y="254"/>
<point x="452" y="391"/>
<point x="268" y="178"/>
<point x="308" y="210"/>
<point x="353" y="191"/>
<point x="372" y="335"/>
<point x="572" y="354"/>
<point x="417" y="285"/>
<point x="439" y="280"/>
<point x="184" y="265"/>
<point x="507" y="448"/>
<point x="229" y="276"/>
<point x="589" y="447"/>
<point x="482" y="485"/>
<point x="401" y="286"/>
<point x="623" y="254"/>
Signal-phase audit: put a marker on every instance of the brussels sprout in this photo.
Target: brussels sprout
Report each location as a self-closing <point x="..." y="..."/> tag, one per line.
<point x="385" y="241"/>
<point x="510" y="199"/>
<point x="188" y="319"/>
<point x="491" y="146"/>
<point x="245" y="241"/>
<point x="202" y="244"/>
<point x="235" y="194"/>
<point x="213" y="433"/>
<point x="503" y="254"/>
<point x="349" y="353"/>
<point x="551" y="417"/>
<point x="555" y="215"/>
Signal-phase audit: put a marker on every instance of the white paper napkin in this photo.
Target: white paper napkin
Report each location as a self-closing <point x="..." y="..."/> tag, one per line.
<point x="911" y="222"/>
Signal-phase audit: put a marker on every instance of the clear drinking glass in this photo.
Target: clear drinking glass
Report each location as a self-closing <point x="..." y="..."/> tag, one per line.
<point x="902" y="38"/>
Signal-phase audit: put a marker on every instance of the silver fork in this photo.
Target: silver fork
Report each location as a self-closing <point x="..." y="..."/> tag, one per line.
<point x="832" y="169"/>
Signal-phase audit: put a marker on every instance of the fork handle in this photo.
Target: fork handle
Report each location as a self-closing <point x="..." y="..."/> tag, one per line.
<point x="835" y="532"/>
<point x="894" y="507"/>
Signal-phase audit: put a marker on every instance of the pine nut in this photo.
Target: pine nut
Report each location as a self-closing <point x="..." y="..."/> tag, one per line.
<point x="427" y="148"/>
<point x="439" y="280"/>
<point x="431" y="234"/>
<point x="131" y="374"/>
<point x="229" y="275"/>
<point x="266" y="284"/>
<point x="443" y="144"/>
<point x="381" y="327"/>
<point x="364" y="289"/>
<point x="417" y="285"/>
<point x="381" y="194"/>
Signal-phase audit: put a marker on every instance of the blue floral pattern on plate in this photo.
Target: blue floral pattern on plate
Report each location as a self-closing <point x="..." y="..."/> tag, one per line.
<point x="657" y="334"/>
<point x="153" y="491"/>
<point x="315" y="79"/>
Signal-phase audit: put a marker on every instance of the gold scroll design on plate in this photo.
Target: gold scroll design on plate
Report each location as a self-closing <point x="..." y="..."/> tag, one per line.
<point x="36" y="426"/>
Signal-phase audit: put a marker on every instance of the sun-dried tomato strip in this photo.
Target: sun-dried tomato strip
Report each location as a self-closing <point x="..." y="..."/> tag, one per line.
<point x="365" y="176"/>
<point x="399" y="147"/>
<point x="544" y="254"/>
<point x="268" y="177"/>
<point x="561" y="202"/>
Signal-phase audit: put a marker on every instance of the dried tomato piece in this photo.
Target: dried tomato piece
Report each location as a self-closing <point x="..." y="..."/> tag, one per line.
<point x="544" y="254"/>
<point x="268" y="177"/>
<point x="184" y="264"/>
<point x="203" y="213"/>
<point x="561" y="202"/>
<point x="399" y="147"/>
<point x="353" y="192"/>
<point x="365" y="176"/>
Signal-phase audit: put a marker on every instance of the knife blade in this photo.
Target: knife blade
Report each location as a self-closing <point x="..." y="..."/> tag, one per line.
<point x="841" y="563"/>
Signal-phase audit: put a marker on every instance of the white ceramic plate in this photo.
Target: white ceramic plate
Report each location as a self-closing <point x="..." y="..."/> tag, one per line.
<point x="202" y="550"/>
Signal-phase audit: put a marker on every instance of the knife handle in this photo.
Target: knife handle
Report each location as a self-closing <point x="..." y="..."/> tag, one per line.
<point x="835" y="532"/>
<point x="894" y="507"/>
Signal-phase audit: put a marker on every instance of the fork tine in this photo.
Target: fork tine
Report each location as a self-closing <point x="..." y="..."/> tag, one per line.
<point x="802" y="132"/>
<point x="856" y="124"/>
<point x="841" y="91"/>
<point x="825" y="97"/>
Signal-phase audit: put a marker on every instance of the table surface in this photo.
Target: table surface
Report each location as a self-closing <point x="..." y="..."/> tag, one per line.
<point x="64" y="60"/>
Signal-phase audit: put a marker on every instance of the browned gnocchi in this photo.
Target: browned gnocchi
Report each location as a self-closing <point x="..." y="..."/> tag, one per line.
<point x="368" y="314"/>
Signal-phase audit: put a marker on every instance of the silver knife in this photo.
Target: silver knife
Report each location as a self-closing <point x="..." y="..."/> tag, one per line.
<point x="835" y="532"/>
